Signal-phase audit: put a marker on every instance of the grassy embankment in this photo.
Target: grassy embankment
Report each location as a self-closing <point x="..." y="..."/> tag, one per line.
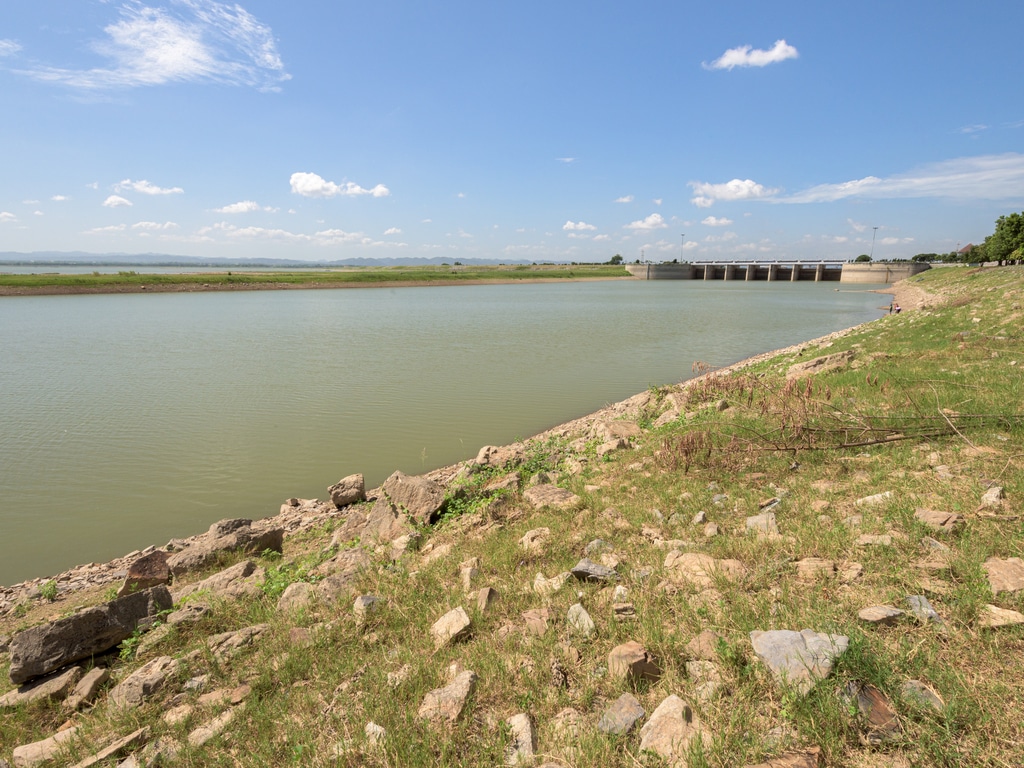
<point x="131" y="280"/>
<point x="930" y="409"/>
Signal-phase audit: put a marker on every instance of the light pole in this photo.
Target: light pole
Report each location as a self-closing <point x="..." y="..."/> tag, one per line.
<point x="874" y="231"/>
<point x="682" y="249"/>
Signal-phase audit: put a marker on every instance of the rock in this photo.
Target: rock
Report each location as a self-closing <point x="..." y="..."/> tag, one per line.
<point x="820" y="364"/>
<point x="226" y="536"/>
<point x="992" y="617"/>
<point x="1004" y="575"/>
<point x="872" y="540"/>
<point x="671" y="730"/>
<point x="485" y="597"/>
<point x="533" y="541"/>
<point x="587" y="570"/>
<point x="55" y="687"/>
<point x="874" y="501"/>
<point x="700" y="569"/>
<point x="447" y="703"/>
<point x="579" y="620"/>
<point x="596" y="547"/>
<point x="537" y="621"/>
<point x="420" y="497"/>
<point x="567" y="725"/>
<point x="633" y="662"/>
<point x="993" y="497"/>
<point x="30" y="755"/>
<point x="547" y="495"/>
<point x="543" y="586"/>
<point x="706" y="677"/>
<point x="348" y="490"/>
<point x="497" y="456"/>
<point x="923" y="611"/>
<point x="364" y="607"/>
<point x="622" y="716"/>
<point x="227" y="644"/>
<point x="144" y="683"/>
<point x="191" y="613"/>
<point x="87" y="688"/>
<point x="375" y="734"/>
<point x="385" y="523"/>
<point x="133" y="740"/>
<point x="923" y="696"/>
<point x="522" y="740"/>
<point x="806" y="758"/>
<point x="939" y="521"/>
<point x="148" y="571"/>
<point x="798" y="659"/>
<point x="453" y="626"/>
<point x="763" y="524"/>
<point x="885" y="615"/>
<point x="611" y="446"/>
<point x="704" y="646"/>
<point x="466" y="575"/>
<point x="811" y="568"/>
<point x="215" y="727"/>
<point x="614" y="429"/>
<point x="297" y="595"/>
<point x="239" y="581"/>
<point x="878" y="718"/>
<point x="40" y="650"/>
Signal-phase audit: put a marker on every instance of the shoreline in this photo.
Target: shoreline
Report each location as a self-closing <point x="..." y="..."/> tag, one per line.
<point x="103" y="574"/>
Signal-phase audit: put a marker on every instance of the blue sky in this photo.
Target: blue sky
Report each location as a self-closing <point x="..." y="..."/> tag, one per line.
<point x="555" y="130"/>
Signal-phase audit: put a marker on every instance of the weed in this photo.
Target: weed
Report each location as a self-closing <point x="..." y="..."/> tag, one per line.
<point x="48" y="591"/>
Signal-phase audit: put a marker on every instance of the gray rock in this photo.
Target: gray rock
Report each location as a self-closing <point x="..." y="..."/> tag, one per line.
<point x="31" y="755"/>
<point x="920" y="694"/>
<point x="798" y="659"/>
<point x="453" y="626"/>
<point x="547" y="495"/>
<point x="188" y="614"/>
<point x="939" y="521"/>
<point x="133" y="740"/>
<point x="55" y="687"/>
<point x="420" y="497"/>
<point x="763" y="524"/>
<point x="215" y="727"/>
<point x="671" y="730"/>
<point x="923" y="611"/>
<point x="596" y="547"/>
<point x="622" y="716"/>
<point x="87" y="688"/>
<point x="348" y="490"/>
<point x="227" y="644"/>
<point x="588" y="570"/>
<point x="364" y="606"/>
<point x="446" y="704"/>
<point x="226" y="536"/>
<point x="144" y="683"/>
<point x="148" y="571"/>
<point x="993" y="497"/>
<point x="579" y="620"/>
<point x="240" y="580"/>
<point x="40" y="650"/>
<point x="522" y="740"/>
<point x="880" y="614"/>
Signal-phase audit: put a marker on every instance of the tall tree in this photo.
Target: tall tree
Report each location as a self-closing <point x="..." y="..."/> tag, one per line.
<point x="1007" y="242"/>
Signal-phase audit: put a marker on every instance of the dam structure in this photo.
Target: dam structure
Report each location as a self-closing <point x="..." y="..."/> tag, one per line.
<point x="779" y="271"/>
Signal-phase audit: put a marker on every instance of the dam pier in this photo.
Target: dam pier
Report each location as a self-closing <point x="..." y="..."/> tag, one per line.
<point x="779" y="271"/>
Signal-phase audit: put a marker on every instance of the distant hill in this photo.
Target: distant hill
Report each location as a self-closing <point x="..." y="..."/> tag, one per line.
<point x="171" y="260"/>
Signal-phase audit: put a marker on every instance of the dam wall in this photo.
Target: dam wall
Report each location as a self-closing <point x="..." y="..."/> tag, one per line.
<point x="778" y="271"/>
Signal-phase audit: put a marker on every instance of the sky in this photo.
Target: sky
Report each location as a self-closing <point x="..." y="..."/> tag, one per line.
<point x="561" y="130"/>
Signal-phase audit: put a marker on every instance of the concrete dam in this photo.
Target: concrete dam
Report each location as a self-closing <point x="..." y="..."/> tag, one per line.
<point x="779" y="271"/>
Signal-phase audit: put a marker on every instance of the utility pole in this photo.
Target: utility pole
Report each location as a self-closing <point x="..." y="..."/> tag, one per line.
<point x="873" y="233"/>
<point x="682" y="248"/>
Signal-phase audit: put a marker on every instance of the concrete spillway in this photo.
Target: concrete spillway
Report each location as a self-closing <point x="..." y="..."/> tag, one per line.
<point x="778" y="271"/>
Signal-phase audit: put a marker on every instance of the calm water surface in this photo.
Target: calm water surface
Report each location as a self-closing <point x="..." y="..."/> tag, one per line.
<point x="131" y="419"/>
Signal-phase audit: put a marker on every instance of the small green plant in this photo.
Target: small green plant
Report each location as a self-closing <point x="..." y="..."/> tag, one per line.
<point x="48" y="591"/>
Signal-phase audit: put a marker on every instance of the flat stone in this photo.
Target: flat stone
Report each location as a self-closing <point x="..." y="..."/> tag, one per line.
<point x="191" y="613"/>
<point x="798" y="659"/>
<point x="226" y="536"/>
<point x="946" y="522"/>
<point x="543" y="586"/>
<point x="239" y="580"/>
<point x="533" y="541"/>
<point x="148" y="571"/>
<point x="133" y="740"/>
<point x="632" y="661"/>
<point x="579" y="620"/>
<point x="227" y="644"/>
<point x="878" y="718"/>
<point x="55" y="687"/>
<point x="551" y="496"/>
<point x="1004" y="575"/>
<point x="622" y="716"/>
<point x="923" y="610"/>
<point x="537" y="621"/>
<point x="451" y="627"/>
<point x="923" y="696"/>
<point x="296" y="596"/>
<point x="31" y="755"/>
<point x="885" y="615"/>
<point x="805" y="758"/>
<point x="993" y="617"/>
<point x="706" y="677"/>
<point x="700" y="569"/>
<point x="704" y="646"/>
<point x="522" y="740"/>
<point x="763" y="524"/>
<point x="874" y="540"/>
<point x="48" y="647"/>
<point x="207" y="731"/>
<point x="811" y="568"/>
<point x="671" y="730"/>
<point x="87" y="688"/>
<point x="874" y="501"/>
<point x="143" y="683"/>
<point x="446" y="704"/>
<point x="993" y="497"/>
<point x="587" y="570"/>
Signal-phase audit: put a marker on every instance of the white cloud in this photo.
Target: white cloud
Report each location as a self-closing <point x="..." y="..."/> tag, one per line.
<point x="652" y="222"/>
<point x="986" y="177"/>
<point x="969" y="129"/>
<point x="37" y="213"/>
<point x="9" y="47"/>
<point x="102" y="230"/>
<point x="624" y="199"/>
<point x="579" y="226"/>
<point x="601" y="238"/>
<point x="714" y="221"/>
<point x="705" y="195"/>
<point x="245" y="206"/>
<point x="392" y="231"/>
<point x="567" y="160"/>
<point x="187" y="41"/>
<point x="312" y="185"/>
<point x="153" y="226"/>
<point x="856" y="226"/>
<point x="657" y="201"/>
<point x="116" y="201"/>
<point x="6" y="216"/>
<point x="60" y="198"/>
<point x="30" y="202"/>
<point x="146" y="188"/>
<point x="747" y="56"/>
<point x="323" y="237"/>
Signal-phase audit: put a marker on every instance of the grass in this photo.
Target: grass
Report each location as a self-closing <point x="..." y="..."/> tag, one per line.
<point x="929" y="408"/>
<point x="132" y="280"/>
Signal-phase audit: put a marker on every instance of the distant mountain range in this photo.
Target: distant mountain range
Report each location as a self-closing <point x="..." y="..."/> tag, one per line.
<point x="170" y="260"/>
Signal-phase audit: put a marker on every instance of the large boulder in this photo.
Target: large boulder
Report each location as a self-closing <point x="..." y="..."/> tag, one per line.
<point x="148" y="571"/>
<point x="348" y="490"/>
<point x="48" y="647"/>
<point x="420" y="497"/>
<point x="226" y="536"/>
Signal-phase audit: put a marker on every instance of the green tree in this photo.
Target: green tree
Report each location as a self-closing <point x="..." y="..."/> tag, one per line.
<point x="616" y="259"/>
<point x="862" y="258"/>
<point x="1007" y="242"/>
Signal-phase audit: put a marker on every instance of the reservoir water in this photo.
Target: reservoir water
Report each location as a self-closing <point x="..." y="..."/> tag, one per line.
<point x="127" y="420"/>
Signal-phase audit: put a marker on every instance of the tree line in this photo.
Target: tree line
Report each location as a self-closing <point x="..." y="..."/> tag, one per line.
<point x="1005" y="245"/>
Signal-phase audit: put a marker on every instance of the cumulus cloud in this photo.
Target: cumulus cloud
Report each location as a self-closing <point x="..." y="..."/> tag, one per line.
<point x="567" y="160"/>
<point x="154" y="226"/>
<point x="393" y="231"/>
<point x="185" y="41"/>
<point x="323" y="237"/>
<point x="60" y="198"/>
<point x="244" y="206"/>
<point x="9" y="47"/>
<point x="312" y="185"/>
<point x="748" y="56"/>
<point x="705" y="195"/>
<point x="103" y="230"/>
<point x="986" y="177"/>
<point x="578" y="226"/>
<point x="714" y="221"/>
<point x="116" y="201"/>
<point x="624" y="199"/>
<point x="7" y="216"/>
<point x="145" y="188"/>
<point x="652" y="222"/>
